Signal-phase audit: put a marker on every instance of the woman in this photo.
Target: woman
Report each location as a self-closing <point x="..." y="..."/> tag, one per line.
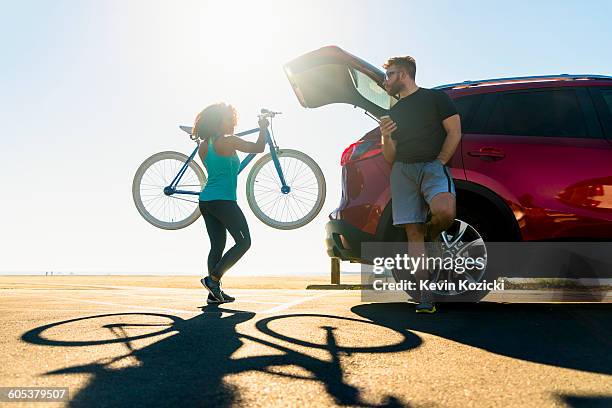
<point x="214" y="126"/>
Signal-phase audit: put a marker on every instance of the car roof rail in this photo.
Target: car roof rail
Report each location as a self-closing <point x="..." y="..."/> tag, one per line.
<point x="560" y="77"/>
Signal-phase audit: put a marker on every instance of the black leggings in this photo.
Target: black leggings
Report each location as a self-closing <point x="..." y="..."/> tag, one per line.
<point x="219" y="216"/>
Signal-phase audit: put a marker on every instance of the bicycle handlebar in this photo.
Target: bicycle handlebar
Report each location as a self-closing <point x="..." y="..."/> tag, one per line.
<point x="266" y="113"/>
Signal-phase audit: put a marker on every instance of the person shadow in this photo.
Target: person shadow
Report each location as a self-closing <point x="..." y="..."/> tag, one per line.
<point x="188" y="366"/>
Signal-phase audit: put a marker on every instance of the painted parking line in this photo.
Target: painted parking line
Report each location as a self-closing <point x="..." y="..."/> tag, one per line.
<point x="244" y="295"/>
<point x="278" y="308"/>
<point x="105" y="289"/>
<point x="191" y="297"/>
<point x="97" y="302"/>
<point x="296" y="302"/>
<point x="79" y="310"/>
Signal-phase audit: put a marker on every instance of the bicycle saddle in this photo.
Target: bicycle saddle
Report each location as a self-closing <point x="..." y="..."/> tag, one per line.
<point x="187" y="129"/>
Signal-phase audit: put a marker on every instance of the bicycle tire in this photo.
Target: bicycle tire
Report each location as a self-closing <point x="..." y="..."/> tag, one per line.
<point x="191" y="211"/>
<point x="272" y="220"/>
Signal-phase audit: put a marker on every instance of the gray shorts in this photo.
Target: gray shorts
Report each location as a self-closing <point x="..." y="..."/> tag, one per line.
<point x="413" y="186"/>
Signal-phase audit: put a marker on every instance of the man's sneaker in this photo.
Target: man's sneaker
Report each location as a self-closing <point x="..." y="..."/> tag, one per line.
<point x="426" y="300"/>
<point x="213" y="287"/>
<point x="425" y="307"/>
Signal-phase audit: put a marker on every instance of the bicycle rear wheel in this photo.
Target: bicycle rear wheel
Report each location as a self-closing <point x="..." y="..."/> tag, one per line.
<point x="173" y="211"/>
<point x="292" y="209"/>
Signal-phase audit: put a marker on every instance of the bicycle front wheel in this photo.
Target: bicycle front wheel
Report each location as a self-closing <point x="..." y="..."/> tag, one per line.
<point x="286" y="209"/>
<point x="173" y="211"/>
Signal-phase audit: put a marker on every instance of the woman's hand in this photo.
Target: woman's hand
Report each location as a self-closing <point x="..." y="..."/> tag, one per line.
<point x="263" y="123"/>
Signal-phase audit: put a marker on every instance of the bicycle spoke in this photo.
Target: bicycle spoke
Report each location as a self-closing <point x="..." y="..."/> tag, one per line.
<point x="306" y="192"/>
<point x="171" y="209"/>
<point x="301" y="176"/>
<point x="265" y="194"/>
<point x="184" y="199"/>
<point x="286" y="210"/>
<point x="274" y="200"/>
<point x="298" y="205"/>
<point x="269" y="172"/>
<point x="267" y="186"/>
<point x="290" y="208"/>
<point x="306" y="204"/>
<point x="297" y="174"/>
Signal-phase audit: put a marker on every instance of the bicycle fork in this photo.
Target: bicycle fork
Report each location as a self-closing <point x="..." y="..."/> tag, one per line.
<point x="285" y="189"/>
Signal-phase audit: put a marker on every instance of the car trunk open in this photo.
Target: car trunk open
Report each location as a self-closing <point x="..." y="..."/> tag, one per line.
<point x="331" y="75"/>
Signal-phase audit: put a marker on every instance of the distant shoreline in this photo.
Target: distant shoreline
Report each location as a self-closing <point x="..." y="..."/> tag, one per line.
<point x="143" y="274"/>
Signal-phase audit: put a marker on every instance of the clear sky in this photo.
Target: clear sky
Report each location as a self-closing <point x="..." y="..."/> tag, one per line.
<point x="89" y="89"/>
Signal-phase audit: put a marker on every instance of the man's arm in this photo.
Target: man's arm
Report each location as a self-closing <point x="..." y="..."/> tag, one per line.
<point x="452" y="125"/>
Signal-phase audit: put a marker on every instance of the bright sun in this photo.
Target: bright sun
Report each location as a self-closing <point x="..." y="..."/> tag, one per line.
<point x="250" y="30"/>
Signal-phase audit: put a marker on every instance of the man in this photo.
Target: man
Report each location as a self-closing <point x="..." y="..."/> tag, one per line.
<point x="419" y="138"/>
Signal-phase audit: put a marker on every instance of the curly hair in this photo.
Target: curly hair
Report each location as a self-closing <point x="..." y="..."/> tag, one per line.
<point x="208" y="122"/>
<point x="407" y="62"/>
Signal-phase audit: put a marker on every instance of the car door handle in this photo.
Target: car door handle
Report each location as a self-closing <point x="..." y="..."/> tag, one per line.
<point x="488" y="154"/>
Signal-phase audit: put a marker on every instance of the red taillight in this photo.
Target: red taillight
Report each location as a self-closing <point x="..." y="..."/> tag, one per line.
<point x="346" y="154"/>
<point x="359" y="150"/>
<point x="597" y="190"/>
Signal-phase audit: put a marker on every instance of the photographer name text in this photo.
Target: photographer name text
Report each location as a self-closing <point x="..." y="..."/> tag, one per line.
<point x="462" y="285"/>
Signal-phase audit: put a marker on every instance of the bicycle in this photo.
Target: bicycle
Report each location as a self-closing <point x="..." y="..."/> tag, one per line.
<point x="285" y="188"/>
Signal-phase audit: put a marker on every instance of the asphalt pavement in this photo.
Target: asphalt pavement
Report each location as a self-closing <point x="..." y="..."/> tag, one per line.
<point x="148" y="342"/>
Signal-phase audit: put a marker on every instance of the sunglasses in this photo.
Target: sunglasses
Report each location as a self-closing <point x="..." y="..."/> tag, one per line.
<point x="389" y="74"/>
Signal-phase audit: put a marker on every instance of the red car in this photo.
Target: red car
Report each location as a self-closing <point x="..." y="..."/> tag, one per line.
<point x="535" y="160"/>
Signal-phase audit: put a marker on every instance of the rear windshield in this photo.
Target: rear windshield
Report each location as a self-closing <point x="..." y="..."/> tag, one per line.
<point x="369" y="89"/>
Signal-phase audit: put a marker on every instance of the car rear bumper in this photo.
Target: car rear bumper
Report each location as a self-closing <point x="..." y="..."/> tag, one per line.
<point x="343" y="240"/>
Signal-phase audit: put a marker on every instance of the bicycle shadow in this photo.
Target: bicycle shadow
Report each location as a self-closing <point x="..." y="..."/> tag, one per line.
<point x="576" y="336"/>
<point x="188" y="367"/>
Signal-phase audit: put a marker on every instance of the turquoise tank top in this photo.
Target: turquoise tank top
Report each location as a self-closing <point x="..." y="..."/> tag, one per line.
<point x="222" y="175"/>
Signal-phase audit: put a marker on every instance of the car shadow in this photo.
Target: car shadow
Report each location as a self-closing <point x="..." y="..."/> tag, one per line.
<point x="188" y="366"/>
<point x="576" y="336"/>
<point x="581" y="401"/>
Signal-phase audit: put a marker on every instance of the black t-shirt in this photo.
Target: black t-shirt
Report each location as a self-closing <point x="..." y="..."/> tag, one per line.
<point x="420" y="133"/>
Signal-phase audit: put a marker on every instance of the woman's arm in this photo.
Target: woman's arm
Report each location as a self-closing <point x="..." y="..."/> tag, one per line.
<point x="228" y="145"/>
<point x="202" y="150"/>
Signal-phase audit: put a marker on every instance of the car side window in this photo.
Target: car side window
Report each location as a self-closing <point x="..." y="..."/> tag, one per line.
<point x="607" y="97"/>
<point x="554" y="113"/>
<point x="602" y="102"/>
<point x="467" y="105"/>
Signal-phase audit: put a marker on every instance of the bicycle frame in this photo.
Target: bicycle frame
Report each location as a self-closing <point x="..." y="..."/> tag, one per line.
<point x="171" y="189"/>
